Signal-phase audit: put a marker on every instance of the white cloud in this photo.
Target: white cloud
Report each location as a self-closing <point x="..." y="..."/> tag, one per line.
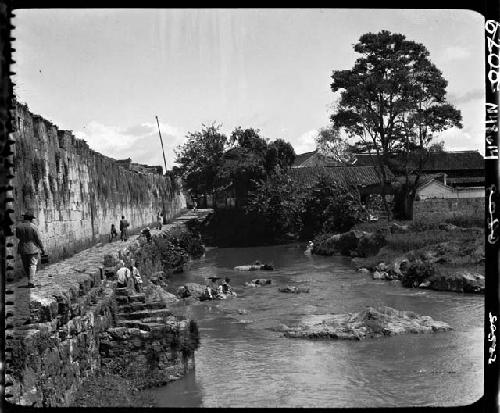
<point x="469" y="96"/>
<point x="460" y="140"/>
<point x="305" y="142"/>
<point x="455" y="53"/>
<point x="139" y="142"/>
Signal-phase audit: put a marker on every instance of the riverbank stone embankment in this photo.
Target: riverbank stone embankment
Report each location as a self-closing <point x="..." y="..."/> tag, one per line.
<point x="57" y="332"/>
<point x="442" y="257"/>
<point x="456" y="266"/>
<point x="369" y="323"/>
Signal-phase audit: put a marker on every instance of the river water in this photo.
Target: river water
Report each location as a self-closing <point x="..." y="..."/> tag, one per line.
<point x="243" y="362"/>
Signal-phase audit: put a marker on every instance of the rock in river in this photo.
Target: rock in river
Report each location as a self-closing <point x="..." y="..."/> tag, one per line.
<point x="254" y="267"/>
<point x="294" y="290"/>
<point x="461" y="281"/>
<point x="193" y="290"/>
<point x="378" y="275"/>
<point x="258" y="282"/>
<point x="372" y="322"/>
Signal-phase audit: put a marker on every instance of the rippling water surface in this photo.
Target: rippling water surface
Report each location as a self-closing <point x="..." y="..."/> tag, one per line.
<point x="243" y="362"/>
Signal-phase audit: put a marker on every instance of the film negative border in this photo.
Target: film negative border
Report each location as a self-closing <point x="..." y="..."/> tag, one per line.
<point x="492" y="178"/>
<point x="492" y="235"/>
<point x="6" y="191"/>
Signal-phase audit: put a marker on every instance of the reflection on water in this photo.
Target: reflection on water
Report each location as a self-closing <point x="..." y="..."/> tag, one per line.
<point x="243" y="362"/>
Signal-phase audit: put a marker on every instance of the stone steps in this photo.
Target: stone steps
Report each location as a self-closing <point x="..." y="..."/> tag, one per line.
<point x="122" y="300"/>
<point x="138" y="315"/>
<point x="169" y="319"/>
<point x="138" y="306"/>
<point x="140" y="325"/>
<point x="121" y="292"/>
<point x="137" y="298"/>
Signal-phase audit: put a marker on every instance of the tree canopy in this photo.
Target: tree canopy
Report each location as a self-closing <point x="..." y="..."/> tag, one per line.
<point x="201" y="157"/>
<point x="330" y="143"/>
<point x="209" y="161"/>
<point x="279" y="154"/>
<point x="394" y="97"/>
<point x="252" y="159"/>
<point x="392" y="101"/>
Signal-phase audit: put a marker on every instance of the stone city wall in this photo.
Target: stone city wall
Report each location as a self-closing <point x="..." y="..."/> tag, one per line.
<point x="77" y="193"/>
<point x="439" y="208"/>
<point x="76" y="324"/>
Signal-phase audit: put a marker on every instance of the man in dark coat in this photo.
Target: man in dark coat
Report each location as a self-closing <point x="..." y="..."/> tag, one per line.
<point x="29" y="245"/>
<point x="123" y="229"/>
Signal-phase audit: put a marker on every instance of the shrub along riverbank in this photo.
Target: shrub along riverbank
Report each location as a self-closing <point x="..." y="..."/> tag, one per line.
<point x="445" y="255"/>
<point x="280" y="210"/>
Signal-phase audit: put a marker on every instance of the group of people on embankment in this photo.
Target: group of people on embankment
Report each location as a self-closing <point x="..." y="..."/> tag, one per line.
<point x="217" y="290"/>
<point x="124" y="224"/>
<point x="125" y="275"/>
<point x="31" y="249"/>
<point x="214" y="290"/>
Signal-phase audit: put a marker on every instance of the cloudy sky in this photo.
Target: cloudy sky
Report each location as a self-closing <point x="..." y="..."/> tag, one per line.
<point x="105" y="74"/>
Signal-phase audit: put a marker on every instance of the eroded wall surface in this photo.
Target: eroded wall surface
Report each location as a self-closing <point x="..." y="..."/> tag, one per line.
<point x="77" y="193"/>
<point x="77" y="324"/>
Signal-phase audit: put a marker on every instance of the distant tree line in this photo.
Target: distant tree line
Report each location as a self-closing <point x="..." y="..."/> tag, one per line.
<point x="392" y="101"/>
<point x="209" y="161"/>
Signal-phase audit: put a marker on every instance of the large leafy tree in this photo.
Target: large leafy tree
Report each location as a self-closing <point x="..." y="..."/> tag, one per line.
<point x="249" y="139"/>
<point x="280" y="154"/>
<point x="330" y="206"/>
<point x="330" y="143"/>
<point x="200" y="159"/>
<point x="244" y="163"/>
<point x="279" y="200"/>
<point x="251" y="159"/>
<point x="392" y="100"/>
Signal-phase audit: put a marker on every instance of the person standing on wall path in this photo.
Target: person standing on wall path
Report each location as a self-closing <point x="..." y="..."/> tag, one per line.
<point x="113" y="233"/>
<point x="159" y="220"/>
<point x="123" y="229"/>
<point x="29" y="245"/>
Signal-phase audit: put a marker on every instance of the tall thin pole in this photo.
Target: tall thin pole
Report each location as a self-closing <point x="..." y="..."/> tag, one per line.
<point x="161" y="141"/>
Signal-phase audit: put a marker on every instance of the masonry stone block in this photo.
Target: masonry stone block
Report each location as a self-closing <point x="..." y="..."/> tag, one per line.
<point x="69" y="167"/>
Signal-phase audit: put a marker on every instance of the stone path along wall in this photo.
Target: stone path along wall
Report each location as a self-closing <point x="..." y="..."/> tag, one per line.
<point x="77" y="193"/>
<point x="72" y="307"/>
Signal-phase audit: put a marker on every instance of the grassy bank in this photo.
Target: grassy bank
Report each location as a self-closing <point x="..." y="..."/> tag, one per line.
<point x="446" y="255"/>
<point x="465" y="240"/>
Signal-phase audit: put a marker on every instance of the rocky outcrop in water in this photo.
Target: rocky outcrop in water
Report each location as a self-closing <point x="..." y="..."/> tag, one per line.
<point x="155" y="293"/>
<point x="370" y="323"/>
<point x="447" y="266"/>
<point x="461" y="281"/>
<point x="258" y="282"/>
<point x="294" y="290"/>
<point x="254" y="267"/>
<point x="353" y="243"/>
<point x="191" y="290"/>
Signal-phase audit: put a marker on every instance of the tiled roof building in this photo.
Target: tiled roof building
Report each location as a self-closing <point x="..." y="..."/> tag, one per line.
<point x="348" y="175"/>
<point x="459" y="168"/>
